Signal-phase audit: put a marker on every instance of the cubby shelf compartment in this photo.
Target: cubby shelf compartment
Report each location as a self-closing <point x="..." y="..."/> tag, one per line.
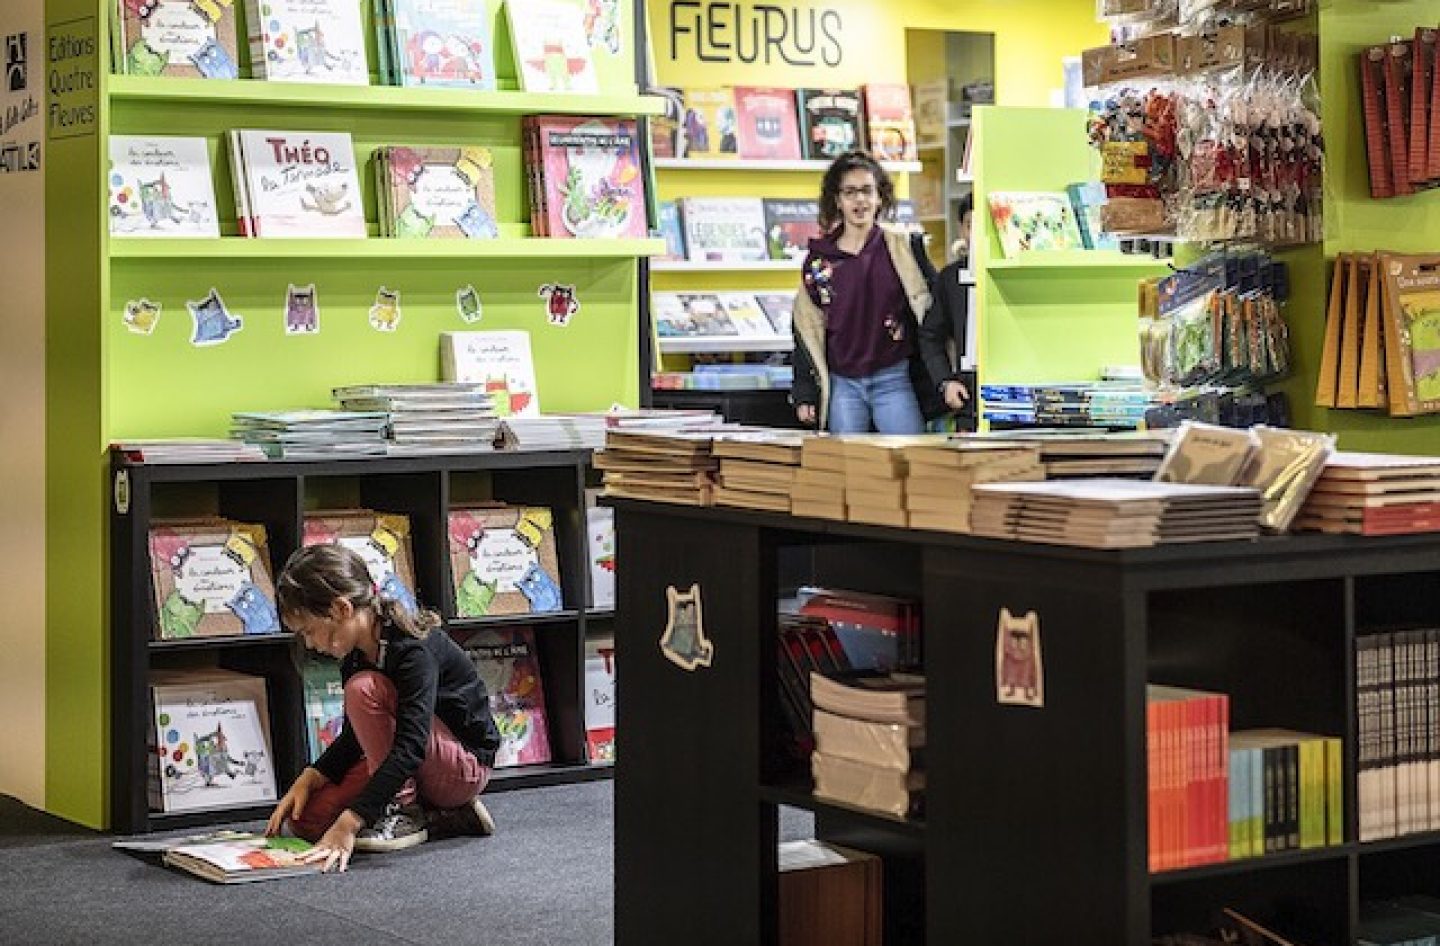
<point x="1249" y="864"/>
<point x="805" y="800"/>
<point x="386" y="98"/>
<point x="381" y="249"/>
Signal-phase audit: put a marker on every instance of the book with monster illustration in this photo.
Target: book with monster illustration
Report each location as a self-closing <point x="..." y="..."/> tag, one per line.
<point x="552" y="53"/>
<point x="161" y="187"/>
<point x="509" y="665"/>
<point x="210" y="743"/>
<point x="499" y="360"/>
<point x="211" y="578"/>
<point x="592" y="183"/>
<point x="382" y="540"/>
<point x="181" y="38"/>
<point x="503" y="560"/>
<point x="307" y="41"/>
<point x="297" y="184"/>
<point x="437" y="193"/>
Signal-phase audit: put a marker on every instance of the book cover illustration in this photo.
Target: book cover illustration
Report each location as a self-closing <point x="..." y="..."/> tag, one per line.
<point x="324" y="703"/>
<point x="211" y="579"/>
<point x="301" y="184"/>
<point x="745" y="314"/>
<point x="509" y="665"/>
<point x="382" y="540"/>
<point x="307" y="41"/>
<point x="501" y="361"/>
<point x="211" y="743"/>
<point x="503" y="561"/>
<point x="777" y="307"/>
<point x="831" y="122"/>
<point x="710" y="126"/>
<point x="592" y="177"/>
<point x="672" y="228"/>
<point x="768" y="127"/>
<point x="179" y="38"/>
<point x="161" y="187"/>
<point x="665" y="128"/>
<point x="600" y="521"/>
<point x="444" y="43"/>
<point x="552" y="52"/>
<point x="725" y="229"/>
<point x="442" y="193"/>
<point x="600" y="699"/>
<point x="242" y="858"/>
<point x="890" y="123"/>
<point x="1029" y="221"/>
<point x="1411" y="330"/>
<point x="790" y="225"/>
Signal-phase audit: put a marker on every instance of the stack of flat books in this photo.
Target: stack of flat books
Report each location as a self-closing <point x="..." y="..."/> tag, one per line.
<point x="313" y="434"/>
<point x="670" y="466"/>
<point x="554" y="432"/>
<point x="870" y="740"/>
<point x="875" y="471"/>
<point x="941" y="475"/>
<point x="1115" y="513"/>
<point x="758" y="468"/>
<point x="188" y="450"/>
<point x="820" y="483"/>
<point x="427" y="418"/>
<point x="1375" y="494"/>
<point x="1071" y="454"/>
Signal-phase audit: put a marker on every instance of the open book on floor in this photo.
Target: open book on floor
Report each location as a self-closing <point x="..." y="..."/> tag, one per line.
<point x="228" y="857"/>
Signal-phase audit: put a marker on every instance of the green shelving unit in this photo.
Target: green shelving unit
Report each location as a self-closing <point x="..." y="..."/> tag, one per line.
<point x="515" y="248"/>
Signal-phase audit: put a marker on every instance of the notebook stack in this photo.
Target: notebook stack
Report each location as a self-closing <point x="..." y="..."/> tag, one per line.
<point x="1115" y="513"/>
<point x="188" y="450"/>
<point x="313" y="435"/>
<point x="670" y="467"/>
<point x="427" y="418"/>
<point x="869" y="740"/>
<point x="1069" y="455"/>
<point x="1375" y="494"/>
<point x="875" y="471"/>
<point x="758" y="469"/>
<point x="941" y="474"/>
<point x="554" y="432"/>
<point x="820" y="483"/>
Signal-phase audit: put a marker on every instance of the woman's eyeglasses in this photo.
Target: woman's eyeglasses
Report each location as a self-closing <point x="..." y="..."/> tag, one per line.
<point x="850" y="193"/>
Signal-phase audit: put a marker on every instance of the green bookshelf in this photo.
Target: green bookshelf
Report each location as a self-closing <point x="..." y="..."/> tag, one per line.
<point x="240" y="248"/>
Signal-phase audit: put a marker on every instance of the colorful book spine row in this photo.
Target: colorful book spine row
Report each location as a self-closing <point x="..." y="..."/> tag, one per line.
<point x="1397" y="678"/>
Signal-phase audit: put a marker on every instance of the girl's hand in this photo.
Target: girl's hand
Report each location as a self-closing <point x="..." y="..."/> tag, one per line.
<point x="956" y="394"/>
<point x="805" y="413"/>
<point x="334" y="848"/>
<point x="293" y="804"/>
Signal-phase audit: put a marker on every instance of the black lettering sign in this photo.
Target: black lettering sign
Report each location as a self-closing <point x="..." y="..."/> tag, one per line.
<point x="17" y="62"/>
<point x="720" y="31"/>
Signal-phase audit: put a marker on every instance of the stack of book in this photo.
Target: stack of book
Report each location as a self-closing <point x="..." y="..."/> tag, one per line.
<point x="427" y="418"/>
<point x="435" y="193"/>
<point x="1397" y="686"/>
<point x="1286" y="792"/>
<point x="1069" y="454"/>
<point x="1375" y="494"/>
<point x="820" y="484"/>
<point x="757" y="469"/>
<point x="554" y="432"/>
<point x="313" y="434"/>
<point x="1186" y="735"/>
<point x="585" y="177"/>
<point x="1115" y="513"/>
<point x="671" y="466"/>
<point x="941" y="475"/>
<point x="188" y="450"/>
<point x="875" y="472"/>
<point x="869" y="740"/>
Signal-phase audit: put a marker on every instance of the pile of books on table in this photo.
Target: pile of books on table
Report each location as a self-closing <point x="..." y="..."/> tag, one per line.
<point x="188" y="450"/>
<point x="1374" y="494"/>
<point x="757" y="468"/>
<point x="427" y="418"/>
<point x="313" y="434"/>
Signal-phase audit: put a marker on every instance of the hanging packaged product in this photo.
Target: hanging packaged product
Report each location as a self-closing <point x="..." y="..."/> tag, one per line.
<point x="1411" y="329"/>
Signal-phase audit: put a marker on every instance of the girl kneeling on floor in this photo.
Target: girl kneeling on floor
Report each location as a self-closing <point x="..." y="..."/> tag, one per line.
<point x="419" y="741"/>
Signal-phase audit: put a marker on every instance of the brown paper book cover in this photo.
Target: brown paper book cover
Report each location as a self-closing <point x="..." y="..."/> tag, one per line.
<point x="1421" y="80"/>
<point x="382" y="540"/>
<point x="1348" y="381"/>
<point x="1370" y="391"/>
<point x="211" y="578"/>
<point x="1397" y="114"/>
<point x="1329" y="372"/>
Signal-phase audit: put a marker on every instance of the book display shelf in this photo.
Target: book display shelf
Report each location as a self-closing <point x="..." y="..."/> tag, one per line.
<point x="1035" y="823"/>
<point x="278" y="495"/>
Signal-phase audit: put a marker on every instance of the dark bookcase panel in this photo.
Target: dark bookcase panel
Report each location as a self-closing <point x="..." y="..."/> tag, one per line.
<point x="1384" y="602"/>
<point x="1307" y="902"/>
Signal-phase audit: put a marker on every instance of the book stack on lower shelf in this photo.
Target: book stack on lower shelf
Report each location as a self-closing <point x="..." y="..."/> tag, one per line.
<point x="869" y="741"/>
<point x="1397" y="677"/>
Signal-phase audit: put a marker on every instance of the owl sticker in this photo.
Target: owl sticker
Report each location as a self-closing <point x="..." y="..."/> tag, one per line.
<point x="1019" y="668"/>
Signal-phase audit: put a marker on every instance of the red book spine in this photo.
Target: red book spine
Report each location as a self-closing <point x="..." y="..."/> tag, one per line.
<point x="1152" y="783"/>
<point x="1371" y="63"/>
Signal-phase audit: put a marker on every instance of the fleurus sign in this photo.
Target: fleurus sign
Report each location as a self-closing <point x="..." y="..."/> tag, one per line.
<point x="749" y="33"/>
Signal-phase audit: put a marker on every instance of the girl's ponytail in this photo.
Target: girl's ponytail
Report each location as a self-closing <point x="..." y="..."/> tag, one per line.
<point x="415" y="623"/>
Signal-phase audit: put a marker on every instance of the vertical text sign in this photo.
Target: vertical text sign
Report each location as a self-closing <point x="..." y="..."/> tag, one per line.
<point x="73" y="79"/>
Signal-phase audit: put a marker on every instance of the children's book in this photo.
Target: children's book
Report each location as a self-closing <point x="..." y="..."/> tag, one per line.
<point x="665" y="140"/>
<point x="178" y="38"/>
<point x="161" y="187"/>
<point x="768" y="127"/>
<point x="211" y="578"/>
<point x="745" y="314"/>
<point x="932" y="110"/>
<point x="672" y="228"/>
<point x="298" y="184"/>
<point x="438" y="193"/>
<point x="210" y="745"/>
<point x="324" y="703"/>
<point x="671" y="318"/>
<point x="831" y="122"/>
<point x="552" y="52"/>
<point x="790" y="225"/>
<point x="509" y="665"/>
<point x="600" y="698"/>
<point x="710" y="128"/>
<point x="503" y="560"/>
<point x="1028" y="221"/>
<point x="443" y="43"/>
<point x="1087" y="201"/>
<point x="724" y="229"/>
<point x="890" y="122"/>
<point x="243" y="859"/>
<point x="777" y="307"/>
<point x="382" y="540"/>
<point x="593" y="181"/>
<point x="307" y="41"/>
<point x="707" y="314"/>
<point x="500" y="361"/>
<point x="600" y="521"/>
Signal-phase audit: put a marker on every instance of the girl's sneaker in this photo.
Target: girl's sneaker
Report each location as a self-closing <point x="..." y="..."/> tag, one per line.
<point x="471" y="819"/>
<point x="401" y="826"/>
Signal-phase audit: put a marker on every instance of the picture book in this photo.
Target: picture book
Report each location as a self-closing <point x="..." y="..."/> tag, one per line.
<point x="710" y="128"/>
<point x="790" y="225"/>
<point x="307" y="41"/>
<point x="161" y="187"/>
<point x="509" y="664"/>
<point x="724" y="229"/>
<point x="210" y="745"/>
<point x="324" y="703"/>
<point x="593" y="181"/>
<point x="600" y="698"/>
<point x="243" y="859"/>
<point x="777" y="307"/>
<point x="767" y="125"/>
<point x="552" y="53"/>
<point x="1087" y="201"/>
<point x="503" y="560"/>
<point x="443" y="43"/>
<point x="178" y="38"/>
<point x="745" y="314"/>
<point x="500" y="361"/>
<point x="691" y="315"/>
<point x="298" y="184"/>
<point x="672" y="228"/>
<point x="665" y="141"/>
<point x="890" y="124"/>
<point x="1027" y="221"/>
<point x="1411" y="330"/>
<point x="382" y="540"/>
<point x="438" y="193"/>
<point x="211" y="578"/>
<point x="831" y="122"/>
<point x="600" y="542"/>
<point x="932" y="110"/>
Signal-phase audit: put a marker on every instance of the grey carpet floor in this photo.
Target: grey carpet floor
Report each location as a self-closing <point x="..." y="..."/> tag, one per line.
<point x="544" y="879"/>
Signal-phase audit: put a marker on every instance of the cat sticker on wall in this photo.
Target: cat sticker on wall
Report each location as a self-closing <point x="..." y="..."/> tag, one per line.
<point x="1019" y="667"/>
<point x="302" y="310"/>
<point x="684" y="642"/>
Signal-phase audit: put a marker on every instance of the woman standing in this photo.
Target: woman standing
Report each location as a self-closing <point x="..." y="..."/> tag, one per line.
<point x="857" y="315"/>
